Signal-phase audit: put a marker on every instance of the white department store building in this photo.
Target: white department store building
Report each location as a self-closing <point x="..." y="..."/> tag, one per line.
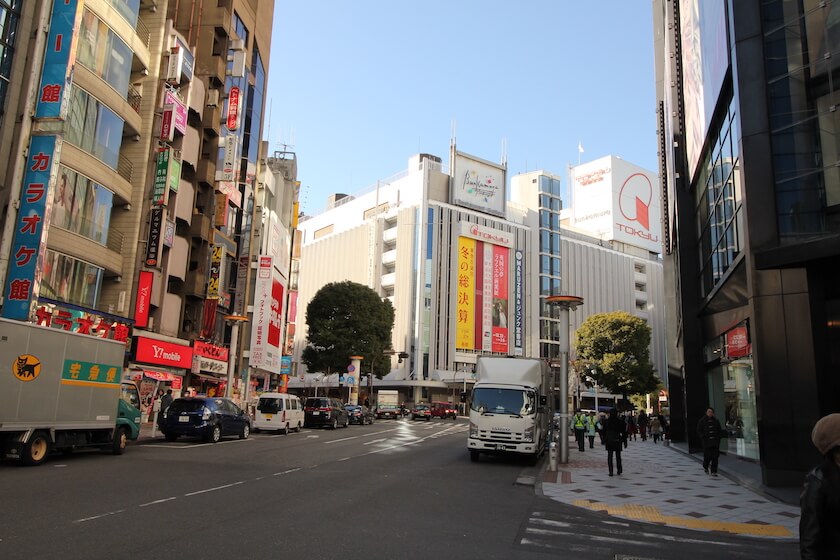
<point x="467" y="269"/>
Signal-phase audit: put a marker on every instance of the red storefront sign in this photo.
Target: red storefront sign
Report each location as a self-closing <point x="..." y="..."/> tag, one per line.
<point x="737" y="343"/>
<point x="151" y="351"/>
<point x="211" y="351"/>
<point x="233" y="109"/>
<point x="144" y="297"/>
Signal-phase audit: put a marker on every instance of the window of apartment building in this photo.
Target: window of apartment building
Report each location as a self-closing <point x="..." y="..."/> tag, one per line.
<point x="70" y="280"/>
<point x="9" y="15"/>
<point x="640" y="268"/>
<point x="82" y="206"/>
<point x="128" y="9"/>
<point x="105" y="54"/>
<point x="93" y="127"/>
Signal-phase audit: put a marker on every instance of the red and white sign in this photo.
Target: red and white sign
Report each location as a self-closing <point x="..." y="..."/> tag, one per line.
<point x="737" y="343"/>
<point x="144" y="298"/>
<point x="233" y="109"/>
<point x="151" y="351"/>
<point x="266" y="323"/>
<point x="166" y="130"/>
<point x="211" y="351"/>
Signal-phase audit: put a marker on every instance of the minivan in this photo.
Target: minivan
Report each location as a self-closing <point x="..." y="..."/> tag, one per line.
<point x="325" y="412"/>
<point x="278" y="411"/>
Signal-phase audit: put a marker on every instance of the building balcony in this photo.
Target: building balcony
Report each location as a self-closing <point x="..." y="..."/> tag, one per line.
<point x="205" y="171"/>
<point x="388" y="280"/>
<point x="389" y="257"/>
<point x="201" y="227"/>
<point x="389" y="235"/>
<point x="195" y="284"/>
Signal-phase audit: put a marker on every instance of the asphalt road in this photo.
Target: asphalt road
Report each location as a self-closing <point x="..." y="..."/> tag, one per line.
<point x="391" y="490"/>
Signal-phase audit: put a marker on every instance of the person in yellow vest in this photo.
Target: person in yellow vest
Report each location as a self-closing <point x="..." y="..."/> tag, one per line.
<point x="580" y="424"/>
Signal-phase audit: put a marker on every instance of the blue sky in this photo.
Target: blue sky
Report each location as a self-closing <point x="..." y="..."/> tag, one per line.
<point x="357" y="87"/>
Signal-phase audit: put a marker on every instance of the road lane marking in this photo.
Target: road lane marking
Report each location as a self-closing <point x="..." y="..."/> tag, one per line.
<point x="158" y="501"/>
<point x="215" y="488"/>
<point x="286" y="471"/>
<point x="99" y="516"/>
<point x="342" y="439"/>
<point x="375" y="441"/>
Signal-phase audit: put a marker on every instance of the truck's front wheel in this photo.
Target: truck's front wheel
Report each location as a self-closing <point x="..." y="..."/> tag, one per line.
<point x="120" y="440"/>
<point x="36" y="449"/>
<point x="473" y="456"/>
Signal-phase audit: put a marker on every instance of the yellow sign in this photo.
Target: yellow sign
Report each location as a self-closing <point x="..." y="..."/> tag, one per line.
<point x="465" y="290"/>
<point x="26" y="367"/>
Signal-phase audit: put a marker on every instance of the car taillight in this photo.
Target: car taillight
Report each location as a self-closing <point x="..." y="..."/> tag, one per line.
<point x="327" y="410"/>
<point x="205" y="415"/>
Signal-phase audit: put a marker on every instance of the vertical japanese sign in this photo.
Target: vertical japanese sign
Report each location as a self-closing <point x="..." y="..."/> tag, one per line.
<point x="153" y="240"/>
<point x="29" y="245"/>
<point x="465" y="305"/>
<point x="174" y="174"/>
<point x="59" y="59"/>
<point x="265" y="325"/>
<point x="518" y="298"/>
<point x="160" y="190"/>
<point x="500" y="297"/>
<point x="215" y="271"/>
<point x="144" y="299"/>
<point x="233" y="109"/>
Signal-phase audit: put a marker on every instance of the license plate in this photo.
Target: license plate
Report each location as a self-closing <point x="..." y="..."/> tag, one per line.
<point x="316" y="413"/>
<point x="183" y="419"/>
<point x="268" y="417"/>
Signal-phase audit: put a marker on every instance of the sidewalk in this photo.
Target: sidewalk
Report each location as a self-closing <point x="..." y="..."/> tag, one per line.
<point x="667" y="485"/>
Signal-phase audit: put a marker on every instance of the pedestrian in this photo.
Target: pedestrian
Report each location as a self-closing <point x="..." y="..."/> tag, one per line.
<point x="710" y="432"/>
<point x="602" y="421"/>
<point x="643" y="424"/>
<point x="615" y="432"/>
<point x="631" y="426"/>
<point x="655" y="428"/>
<point x="591" y="429"/>
<point x="165" y="401"/>
<point x="579" y="423"/>
<point x="819" y="537"/>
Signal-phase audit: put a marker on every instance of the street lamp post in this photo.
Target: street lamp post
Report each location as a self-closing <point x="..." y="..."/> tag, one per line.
<point x="232" y="351"/>
<point x="564" y="304"/>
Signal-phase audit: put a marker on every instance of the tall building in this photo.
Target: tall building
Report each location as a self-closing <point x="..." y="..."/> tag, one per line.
<point x="751" y="191"/>
<point x="467" y="268"/>
<point x="128" y="162"/>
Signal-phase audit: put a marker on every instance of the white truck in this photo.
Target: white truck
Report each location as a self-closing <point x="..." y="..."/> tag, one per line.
<point x="61" y="391"/>
<point x="510" y="408"/>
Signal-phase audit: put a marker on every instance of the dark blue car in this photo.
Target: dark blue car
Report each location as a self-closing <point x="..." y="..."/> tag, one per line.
<point x="209" y="418"/>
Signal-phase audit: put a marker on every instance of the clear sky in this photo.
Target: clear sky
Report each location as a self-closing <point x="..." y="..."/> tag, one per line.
<point x="356" y="87"/>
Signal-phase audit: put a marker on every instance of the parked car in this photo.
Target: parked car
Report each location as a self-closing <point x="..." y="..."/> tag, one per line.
<point x="421" y="411"/>
<point x="444" y="410"/>
<point x="389" y="411"/>
<point x="359" y="414"/>
<point x="319" y="412"/>
<point x="210" y="418"/>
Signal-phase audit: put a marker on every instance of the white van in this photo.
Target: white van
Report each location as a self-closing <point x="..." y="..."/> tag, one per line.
<point x="279" y="411"/>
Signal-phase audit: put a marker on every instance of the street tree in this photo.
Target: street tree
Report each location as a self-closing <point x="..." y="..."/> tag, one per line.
<point x="348" y="319"/>
<point x="613" y="350"/>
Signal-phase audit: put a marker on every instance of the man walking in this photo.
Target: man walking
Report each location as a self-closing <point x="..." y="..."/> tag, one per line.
<point x="710" y="432"/>
<point x="580" y="422"/>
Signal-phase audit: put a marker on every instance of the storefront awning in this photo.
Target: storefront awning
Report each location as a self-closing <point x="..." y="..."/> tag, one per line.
<point x="214" y="378"/>
<point x="160" y="375"/>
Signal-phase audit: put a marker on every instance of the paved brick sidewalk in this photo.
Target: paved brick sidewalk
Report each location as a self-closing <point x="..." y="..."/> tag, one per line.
<point x="663" y="485"/>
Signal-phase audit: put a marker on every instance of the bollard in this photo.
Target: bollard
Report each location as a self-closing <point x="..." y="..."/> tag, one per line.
<point x="552" y="456"/>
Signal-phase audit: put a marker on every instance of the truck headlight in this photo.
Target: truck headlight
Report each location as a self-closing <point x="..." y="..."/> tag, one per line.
<point x="473" y="430"/>
<point x="529" y="434"/>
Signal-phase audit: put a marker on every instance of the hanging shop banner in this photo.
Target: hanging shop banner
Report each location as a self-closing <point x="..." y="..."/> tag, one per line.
<point x="499" y="288"/>
<point x="179" y="110"/>
<point x="144" y="298"/>
<point x="167" y="132"/>
<point x="210" y="351"/>
<point x="226" y="176"/>
<point x="153" y="242"/>
<point x="265" y="326"/>
<point x="175" y="172"/>
<point x="215" y="271"/>
<point x="518" y="299"/>
<point x="465" y="305"/>
<point x="160" y="190"/>
<point x="30" y="240"/>
<point x="737" y="342"/>
<point x="169" y="233"/>
<point x="59" y="58"/>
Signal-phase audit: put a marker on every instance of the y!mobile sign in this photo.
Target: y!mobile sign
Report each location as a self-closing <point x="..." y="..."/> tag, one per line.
<point x="144" y="298"/>
<point x="151" y="351"/>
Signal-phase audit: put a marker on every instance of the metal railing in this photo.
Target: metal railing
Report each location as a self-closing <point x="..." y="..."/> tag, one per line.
<point x="115" y="240"/>
<point x="134" y="98"/>
<point x="125" y="168"/>
<point x="143" y="32"/>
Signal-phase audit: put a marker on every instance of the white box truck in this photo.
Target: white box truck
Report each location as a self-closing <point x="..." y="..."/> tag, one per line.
<point x="61" y="391"/>
<point x="510" y="408"/>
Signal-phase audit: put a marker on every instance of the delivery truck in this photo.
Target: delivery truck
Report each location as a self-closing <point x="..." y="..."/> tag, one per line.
<point x="510" y="409"/>
<point x="62" y="391"/>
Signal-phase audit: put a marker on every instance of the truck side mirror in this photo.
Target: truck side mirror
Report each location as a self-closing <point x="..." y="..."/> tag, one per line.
<point x="463" y="397"/>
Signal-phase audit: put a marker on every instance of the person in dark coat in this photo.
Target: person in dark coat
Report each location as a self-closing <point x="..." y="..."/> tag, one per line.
<point x="165" y="400"/>
<point x="819" y="523"/>
<point x="710" y="432"/>
<point x="615" y="432"/>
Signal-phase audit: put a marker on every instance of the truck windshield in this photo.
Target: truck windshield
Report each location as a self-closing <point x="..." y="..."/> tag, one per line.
<point x="503" y="401"/>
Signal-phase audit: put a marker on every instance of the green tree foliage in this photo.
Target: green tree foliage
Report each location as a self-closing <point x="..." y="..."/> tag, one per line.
<point x="348" y="319"/>
<point x="614" y="350"/>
